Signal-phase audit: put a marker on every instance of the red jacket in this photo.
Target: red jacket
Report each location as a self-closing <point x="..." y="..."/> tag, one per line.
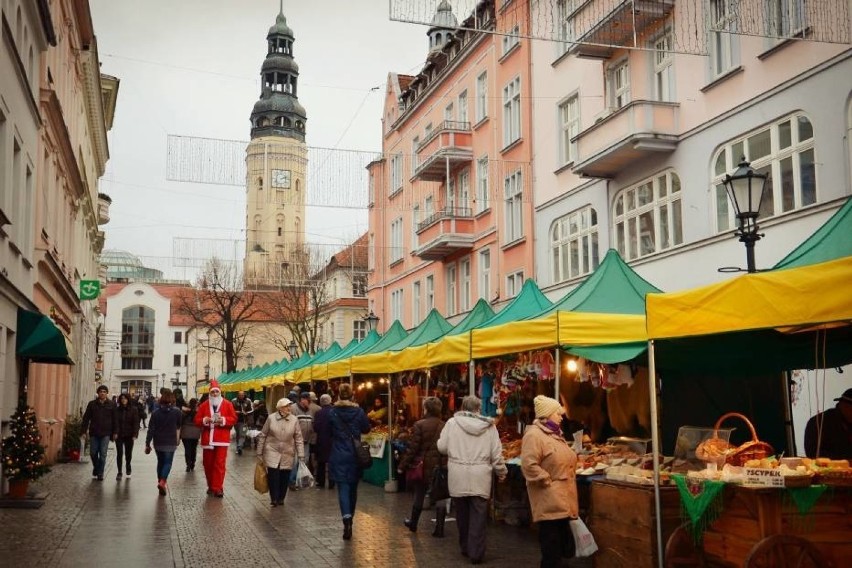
<point x="221" y="434"/>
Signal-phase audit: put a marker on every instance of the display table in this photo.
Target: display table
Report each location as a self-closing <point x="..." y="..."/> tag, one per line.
<point x="377" y="474"/>
<point x="623" y="522"/>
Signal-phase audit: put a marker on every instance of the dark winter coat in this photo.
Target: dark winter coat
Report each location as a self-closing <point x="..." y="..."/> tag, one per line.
<point x="99" y="420"/>
<point x="423" y="444"/>
<point x="127" y="421"/>
<point x="163" y="428"/>
<point x="348" y="422"/>
<point x="189" y="430"/>
<point x="322" y="428"/>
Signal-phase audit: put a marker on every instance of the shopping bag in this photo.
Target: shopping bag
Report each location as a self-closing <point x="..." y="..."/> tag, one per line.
<point x="583" y="539"/>
<point x="261" y="482"/>
<point x="304" y="478"/>
<point x="415" y="472"/>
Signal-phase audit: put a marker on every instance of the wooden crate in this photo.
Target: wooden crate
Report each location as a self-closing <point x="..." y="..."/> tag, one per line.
<point x="623" y="523"/>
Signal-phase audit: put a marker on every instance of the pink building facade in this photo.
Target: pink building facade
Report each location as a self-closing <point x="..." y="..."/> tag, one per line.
<point x="451" y="217"/>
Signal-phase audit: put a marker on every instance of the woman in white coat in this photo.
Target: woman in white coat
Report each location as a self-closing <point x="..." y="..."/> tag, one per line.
<point x="472" y="445"/>
<point x="279" y="442"/>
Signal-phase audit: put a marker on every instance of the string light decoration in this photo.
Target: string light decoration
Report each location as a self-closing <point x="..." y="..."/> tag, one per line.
<point x="23" y="454"/>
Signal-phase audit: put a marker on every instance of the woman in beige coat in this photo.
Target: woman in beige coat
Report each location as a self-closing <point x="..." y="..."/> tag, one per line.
<point x="548" y="464"/>
<point x="279" y="442"/>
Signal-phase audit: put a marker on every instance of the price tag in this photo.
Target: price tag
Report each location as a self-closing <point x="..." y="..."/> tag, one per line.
<point x="764" y="477"/>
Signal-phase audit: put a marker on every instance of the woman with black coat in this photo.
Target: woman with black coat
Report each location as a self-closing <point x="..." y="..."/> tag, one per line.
<point x="127" y="429"/>
<point x="163" y="431"/>
<point x="190" y="433"/>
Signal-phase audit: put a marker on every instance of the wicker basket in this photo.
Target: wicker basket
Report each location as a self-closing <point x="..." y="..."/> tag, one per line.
<point x="721" y="452"/>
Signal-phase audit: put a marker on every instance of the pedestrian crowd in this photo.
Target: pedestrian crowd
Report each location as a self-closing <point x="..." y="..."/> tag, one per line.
<point x="320" y="439"/>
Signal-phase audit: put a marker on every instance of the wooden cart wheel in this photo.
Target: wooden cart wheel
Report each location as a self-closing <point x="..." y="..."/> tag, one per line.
<point x="681" y="550"/>
<point x="784" y="551"/>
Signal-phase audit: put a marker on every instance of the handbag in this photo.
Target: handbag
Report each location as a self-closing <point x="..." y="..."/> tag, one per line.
<point x="261" y="481"/>
<point x="439" y="487"/>
<point x="415" y="472"/>
<point x="362" y="449"/>
<point x="583" y="539"/>
<point x="304" y="478"/>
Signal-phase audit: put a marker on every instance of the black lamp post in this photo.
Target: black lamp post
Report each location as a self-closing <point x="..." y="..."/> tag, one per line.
<point x="745" y="190"/>
<point x="372" y="321"/>
<point x="292" y="349"/>
<point x="207" y="372"/>
<point x="250" y="359"/>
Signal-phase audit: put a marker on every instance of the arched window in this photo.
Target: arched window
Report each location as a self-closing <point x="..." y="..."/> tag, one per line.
<point x="574" y="245"/>
<point x="137" y="337"/>
<point x="647" y="216"/>
<point x="784" y="150"/>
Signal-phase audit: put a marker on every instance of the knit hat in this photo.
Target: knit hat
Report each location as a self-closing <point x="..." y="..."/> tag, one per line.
<point x="545" y="406"/>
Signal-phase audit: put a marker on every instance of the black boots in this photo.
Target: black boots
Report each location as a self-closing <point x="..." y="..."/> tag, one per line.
<point x="440" y="515"/>
<point x="415" y="517"/>
<point x="347" y="528"/>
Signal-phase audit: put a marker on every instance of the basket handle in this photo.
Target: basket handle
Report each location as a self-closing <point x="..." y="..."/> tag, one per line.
<point x="737" y="415"/>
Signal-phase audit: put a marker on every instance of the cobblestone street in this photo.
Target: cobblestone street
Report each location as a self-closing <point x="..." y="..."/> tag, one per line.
<point x="90" y="523"/>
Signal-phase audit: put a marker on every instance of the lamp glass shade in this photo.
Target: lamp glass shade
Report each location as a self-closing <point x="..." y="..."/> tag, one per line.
<point x="372" y="321"/>
<point x="745" y="189"/>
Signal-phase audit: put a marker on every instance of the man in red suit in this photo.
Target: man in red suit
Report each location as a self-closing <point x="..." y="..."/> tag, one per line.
<point x="216" y="416"/>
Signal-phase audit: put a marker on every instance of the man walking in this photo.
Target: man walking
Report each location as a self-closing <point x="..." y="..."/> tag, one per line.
<point x="99" y="422"/>
<point x="216" y="417"/>
<point x="244" y="409"/>
<point x="305" y="415"/>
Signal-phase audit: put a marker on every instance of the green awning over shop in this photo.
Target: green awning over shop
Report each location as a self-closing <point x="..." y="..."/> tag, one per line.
<point x="831" y="241"/>
<point x="39" y="340"/>
<point x="528" y="302"/>
<point x="430" y="329"/>
<point x="480" y="314"/>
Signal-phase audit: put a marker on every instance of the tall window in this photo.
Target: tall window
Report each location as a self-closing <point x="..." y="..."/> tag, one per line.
<point x="396" y="173"/>
<point x="574" y="245"/>
<point x="178" y="337"/>
<point x="512" y="111"/>
<point x="396" y="246"/>
<point x="463" y="201"/>
<point x="785" y="150"/>
<point x="648" y="216"/>
<point x="511" y="39"/>
<point x="663" y="69"/>
<point x="462" y="103"/>
<point x="359" y="285"/>
<point x="415" y="303"/>
<point x="176" y="360"/>
<point x="514" y="212"/>
<point x="786" y="18"/>
<point x="371" y="252"/>
<point x="371" y="188"/>
<point x="569" y="115"/>
<point x="396" y="305"/>
<point x="464" y="290"/>
<point x="428" y="206"/>
<point x="359" y="329"/>
<point x="414" y="144"/>
<point x="452" y="291"/>
<point x="430" y="293"/>
<point x="485" y="274"/>
<point x="565" y="21"/>
<point x="137" y="338"/>
<point x="618" y="85"/>
<point x="514" y="283"/>
<point x="415" y="220"/>
<point x="722" y="23"/>
<point x="449" y="112"/>
<point x="482" y="184"/>
<point x="481" y="96"/>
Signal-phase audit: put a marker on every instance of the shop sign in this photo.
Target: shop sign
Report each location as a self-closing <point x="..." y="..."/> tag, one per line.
<point x="90" y="289"/>
<point x="764" y="477"/>
<point x="377" y="444"/>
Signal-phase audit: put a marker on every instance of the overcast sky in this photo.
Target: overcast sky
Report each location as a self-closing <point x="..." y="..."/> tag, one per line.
<point x="191" y="67"/>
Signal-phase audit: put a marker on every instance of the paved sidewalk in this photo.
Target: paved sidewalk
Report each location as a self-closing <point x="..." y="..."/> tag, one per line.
<point x="126" y="523"/>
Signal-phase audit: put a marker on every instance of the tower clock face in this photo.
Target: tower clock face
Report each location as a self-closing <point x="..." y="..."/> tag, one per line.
<point x="281" y="179"/>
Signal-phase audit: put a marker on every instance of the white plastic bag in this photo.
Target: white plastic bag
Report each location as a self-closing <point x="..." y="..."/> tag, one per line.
<point x="304" y="478"/>
<point x="583" y="539"/>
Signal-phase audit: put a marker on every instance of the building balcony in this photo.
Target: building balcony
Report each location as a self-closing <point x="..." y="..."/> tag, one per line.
<point x="448" y="147"/>
<point x="635" y="131"/>
<point x="448" y="231"/>
<point x="600" y="26"/>
<point x="104" y="201"/>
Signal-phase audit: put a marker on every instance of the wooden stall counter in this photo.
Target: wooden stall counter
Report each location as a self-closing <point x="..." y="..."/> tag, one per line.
<point x="623" y="522"/>
<point x="751" y="515"/>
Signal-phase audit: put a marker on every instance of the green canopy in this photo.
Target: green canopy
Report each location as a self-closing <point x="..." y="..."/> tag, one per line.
<point x="430" y="329"/>
<point x="528" y="302"/>
<point x="831" y="241"/>
<point x="39" y="340"/>
<point x="359" y="347"/>
<point x="328" y="354"/>
<point x="392" y="336"/>
<point x="480" y="314"/>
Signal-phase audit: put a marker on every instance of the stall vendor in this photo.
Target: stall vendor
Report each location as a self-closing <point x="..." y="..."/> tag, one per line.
<point x="379" y="414"/>
<point x="829" y="433"/>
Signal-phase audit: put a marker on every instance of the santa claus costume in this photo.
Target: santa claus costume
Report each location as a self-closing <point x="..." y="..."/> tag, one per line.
<point x="216" y="417"/>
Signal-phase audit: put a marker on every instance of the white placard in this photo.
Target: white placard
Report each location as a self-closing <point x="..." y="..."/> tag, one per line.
<point x="764" y="477"/>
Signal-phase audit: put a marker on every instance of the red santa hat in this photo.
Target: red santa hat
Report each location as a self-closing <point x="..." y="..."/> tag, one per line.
<point x="214" y="384"/>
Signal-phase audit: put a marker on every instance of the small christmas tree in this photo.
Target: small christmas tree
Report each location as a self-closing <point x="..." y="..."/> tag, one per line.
<point x="23" y="455"/>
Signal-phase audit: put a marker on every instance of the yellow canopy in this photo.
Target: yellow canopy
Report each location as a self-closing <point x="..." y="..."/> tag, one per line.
<point x="813" y="294"/>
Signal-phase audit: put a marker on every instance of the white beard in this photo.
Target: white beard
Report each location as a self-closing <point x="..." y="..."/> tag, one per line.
<point x="215" y="400"/>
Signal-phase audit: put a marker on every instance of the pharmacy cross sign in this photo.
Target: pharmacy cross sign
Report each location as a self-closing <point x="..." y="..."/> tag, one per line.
<point x="90" y="289"/>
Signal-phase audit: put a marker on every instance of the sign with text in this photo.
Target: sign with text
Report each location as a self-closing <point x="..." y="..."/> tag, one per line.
<point x="90" y="289"/>
<point x="377" y="444"/>
<point x="764" y="477"/>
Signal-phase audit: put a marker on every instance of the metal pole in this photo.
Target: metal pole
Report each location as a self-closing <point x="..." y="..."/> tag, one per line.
<point x="471" y="377"/>
<point x="558" y="372"/>
<point x="750" y="264"/>
<point x="390" y="430"/>
<point x="655" y="452"/>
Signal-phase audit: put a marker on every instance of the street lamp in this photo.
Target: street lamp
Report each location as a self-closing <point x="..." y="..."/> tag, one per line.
<point x="292" y="349"/>
<point x="250" y="359"/>
<point x="372" y="321"/>
<point x="745" y="190"/>
<point x="177" y="379"/>
<point x="207" y="372"/>
<point x="163" y="385"/>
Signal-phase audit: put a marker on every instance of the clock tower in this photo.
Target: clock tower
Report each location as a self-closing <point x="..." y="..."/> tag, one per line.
<point x="276" y="164"/>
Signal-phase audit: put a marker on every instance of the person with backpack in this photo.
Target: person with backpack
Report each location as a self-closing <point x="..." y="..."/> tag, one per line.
<point x="348" y="422"/>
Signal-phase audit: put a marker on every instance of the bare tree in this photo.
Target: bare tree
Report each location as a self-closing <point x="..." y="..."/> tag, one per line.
<point x="219" y="304"/>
